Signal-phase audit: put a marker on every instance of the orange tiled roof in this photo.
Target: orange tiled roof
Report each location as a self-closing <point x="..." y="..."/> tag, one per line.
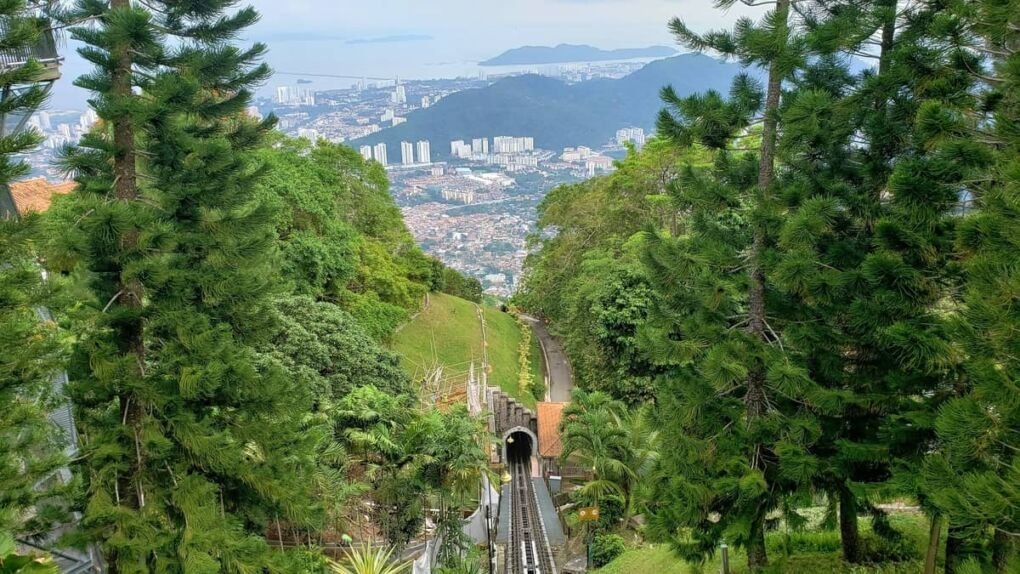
<point x="37" y="194"/>
<point x="549" y="416"/>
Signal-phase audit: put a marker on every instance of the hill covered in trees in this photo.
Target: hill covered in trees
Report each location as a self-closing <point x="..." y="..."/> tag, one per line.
<point x="556" y="114"/>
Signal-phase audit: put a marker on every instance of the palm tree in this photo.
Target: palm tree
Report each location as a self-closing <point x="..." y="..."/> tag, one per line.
<point x="619" y="446"/>
<point x="592" y="436"/>
<point x="365" y="560"/>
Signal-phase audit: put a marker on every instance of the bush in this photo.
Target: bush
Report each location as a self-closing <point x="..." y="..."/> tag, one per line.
<point x="876" y="549"/>
<point x="605" y="548"/>
<point x="803" y="543"/>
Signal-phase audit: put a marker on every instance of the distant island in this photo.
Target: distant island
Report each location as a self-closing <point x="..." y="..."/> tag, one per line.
<point x="565" y="53"/>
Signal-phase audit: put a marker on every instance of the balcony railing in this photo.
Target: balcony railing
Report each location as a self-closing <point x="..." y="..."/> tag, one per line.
<point x="43" y="51"/>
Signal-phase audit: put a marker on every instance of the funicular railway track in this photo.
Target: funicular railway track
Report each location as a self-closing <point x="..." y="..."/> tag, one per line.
<point x="528" y="551"/>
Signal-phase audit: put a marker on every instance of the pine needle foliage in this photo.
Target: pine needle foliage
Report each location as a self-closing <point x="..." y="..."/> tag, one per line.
<point x="733" y="400"/>
<point x="193" y="442"/>
<point x="974" y="479"/>
<point x="32" y="351"/>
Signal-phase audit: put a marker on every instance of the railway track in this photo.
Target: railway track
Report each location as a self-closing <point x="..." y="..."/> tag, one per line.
<point x="528" y="550"/>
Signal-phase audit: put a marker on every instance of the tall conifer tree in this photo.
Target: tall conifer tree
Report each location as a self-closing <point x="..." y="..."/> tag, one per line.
<point x="974" y="479"/>
<point x="866" y="256"/>
<point x="30" y="349"/>
<point x="192" y="444"/>
<point x="733" y="397"/>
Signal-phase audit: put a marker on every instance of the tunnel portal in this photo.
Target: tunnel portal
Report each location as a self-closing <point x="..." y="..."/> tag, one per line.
<point x="519" y="446"/>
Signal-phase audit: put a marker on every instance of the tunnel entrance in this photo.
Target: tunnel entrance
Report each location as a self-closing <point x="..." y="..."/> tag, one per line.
<point x="519" y="446"/>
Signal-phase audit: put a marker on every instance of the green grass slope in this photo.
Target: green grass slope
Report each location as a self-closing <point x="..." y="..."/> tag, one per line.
<point x="449" y="334"/>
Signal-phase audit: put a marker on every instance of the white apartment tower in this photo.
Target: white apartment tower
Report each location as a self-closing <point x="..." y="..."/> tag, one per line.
<point x="366" y="152"/>
<point x="380" y="153"/>
<point x="399" y="95"/>
<point x="424" y="152"/>
<point x="283" y="95"/>
<point x="406" y="153"/>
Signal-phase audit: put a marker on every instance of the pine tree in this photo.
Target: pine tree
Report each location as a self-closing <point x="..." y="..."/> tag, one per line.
<point x="974" y="479"/>
<point x="193" y="443"/>
<point x="31" y="355"/>
<point x="31" y="351"/>
<point x="868" y="257"/>
<point x="733" y="400"/>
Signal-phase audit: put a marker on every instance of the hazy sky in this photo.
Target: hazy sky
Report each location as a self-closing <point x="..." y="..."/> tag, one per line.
<point x="623" y="22"/>
<point x="423" y="39"/>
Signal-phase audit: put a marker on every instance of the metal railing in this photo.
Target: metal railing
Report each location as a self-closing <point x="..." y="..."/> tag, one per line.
<point x="44" y="50"/>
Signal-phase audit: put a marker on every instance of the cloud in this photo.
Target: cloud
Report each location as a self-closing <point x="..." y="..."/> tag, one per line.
<point x="392" y="39"/>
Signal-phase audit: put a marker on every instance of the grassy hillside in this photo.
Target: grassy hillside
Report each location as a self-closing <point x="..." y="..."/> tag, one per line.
<point x="449" y="334"/>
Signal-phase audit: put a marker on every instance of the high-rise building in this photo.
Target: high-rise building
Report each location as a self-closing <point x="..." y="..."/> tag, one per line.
<point x="399" y="95"/>
<point x="88" y="119"/>
<point x="44" y="121"/>
<point x="366" y="152"/>
<point x="64" y="130"/>
<point x="633" y="135"/>
<point x="480" y="146"/>
<point x="387" y="116"/>
<point x="424" y="152"/>
<point x="398" y="120"/>
<point x="459" y="149"/>
<point x="283" y="95"/>
<point x="426" y="101"/>
<point x="406" y="153"/>
<point x="309" y="134"/>
<point x="379" y="152"/>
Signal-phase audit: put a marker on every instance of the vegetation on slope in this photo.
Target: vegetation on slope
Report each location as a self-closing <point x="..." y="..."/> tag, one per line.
<point x="837" y="327"/>
<point x="448" y="335"/>
<point x="231" y="287"/>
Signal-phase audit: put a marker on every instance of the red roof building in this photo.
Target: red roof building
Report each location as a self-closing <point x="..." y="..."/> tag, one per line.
<point x="549" y="417"/>
<point x="37" y="194"/>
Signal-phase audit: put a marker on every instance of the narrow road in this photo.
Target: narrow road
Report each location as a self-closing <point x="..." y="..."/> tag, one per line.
<point x="561" y="378"/>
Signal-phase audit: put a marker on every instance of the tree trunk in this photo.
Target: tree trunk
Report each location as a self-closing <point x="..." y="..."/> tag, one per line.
<point x="757" y="555"/>
<point x="934" y="532"/>
<point x="755" y="399"/>
<point x="954" y="549"/>
<point x="849" y="534"/>
<point x="1002" y="546"/>
<point x="129" y="329"/>
<point x="888" y="35"/>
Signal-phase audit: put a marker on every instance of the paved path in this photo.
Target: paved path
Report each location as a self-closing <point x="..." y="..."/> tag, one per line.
<point x="561" y="378"/>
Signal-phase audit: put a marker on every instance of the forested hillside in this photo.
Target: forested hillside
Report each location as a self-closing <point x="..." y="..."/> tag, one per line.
<point x="342" y="238"/>
<point x="556" y="114"/>
<point x="804" y="283"/>
<point x="219" y="296"/>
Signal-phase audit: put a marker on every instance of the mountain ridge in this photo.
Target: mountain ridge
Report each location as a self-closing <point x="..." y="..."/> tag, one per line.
<point x="555" y="113"/>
